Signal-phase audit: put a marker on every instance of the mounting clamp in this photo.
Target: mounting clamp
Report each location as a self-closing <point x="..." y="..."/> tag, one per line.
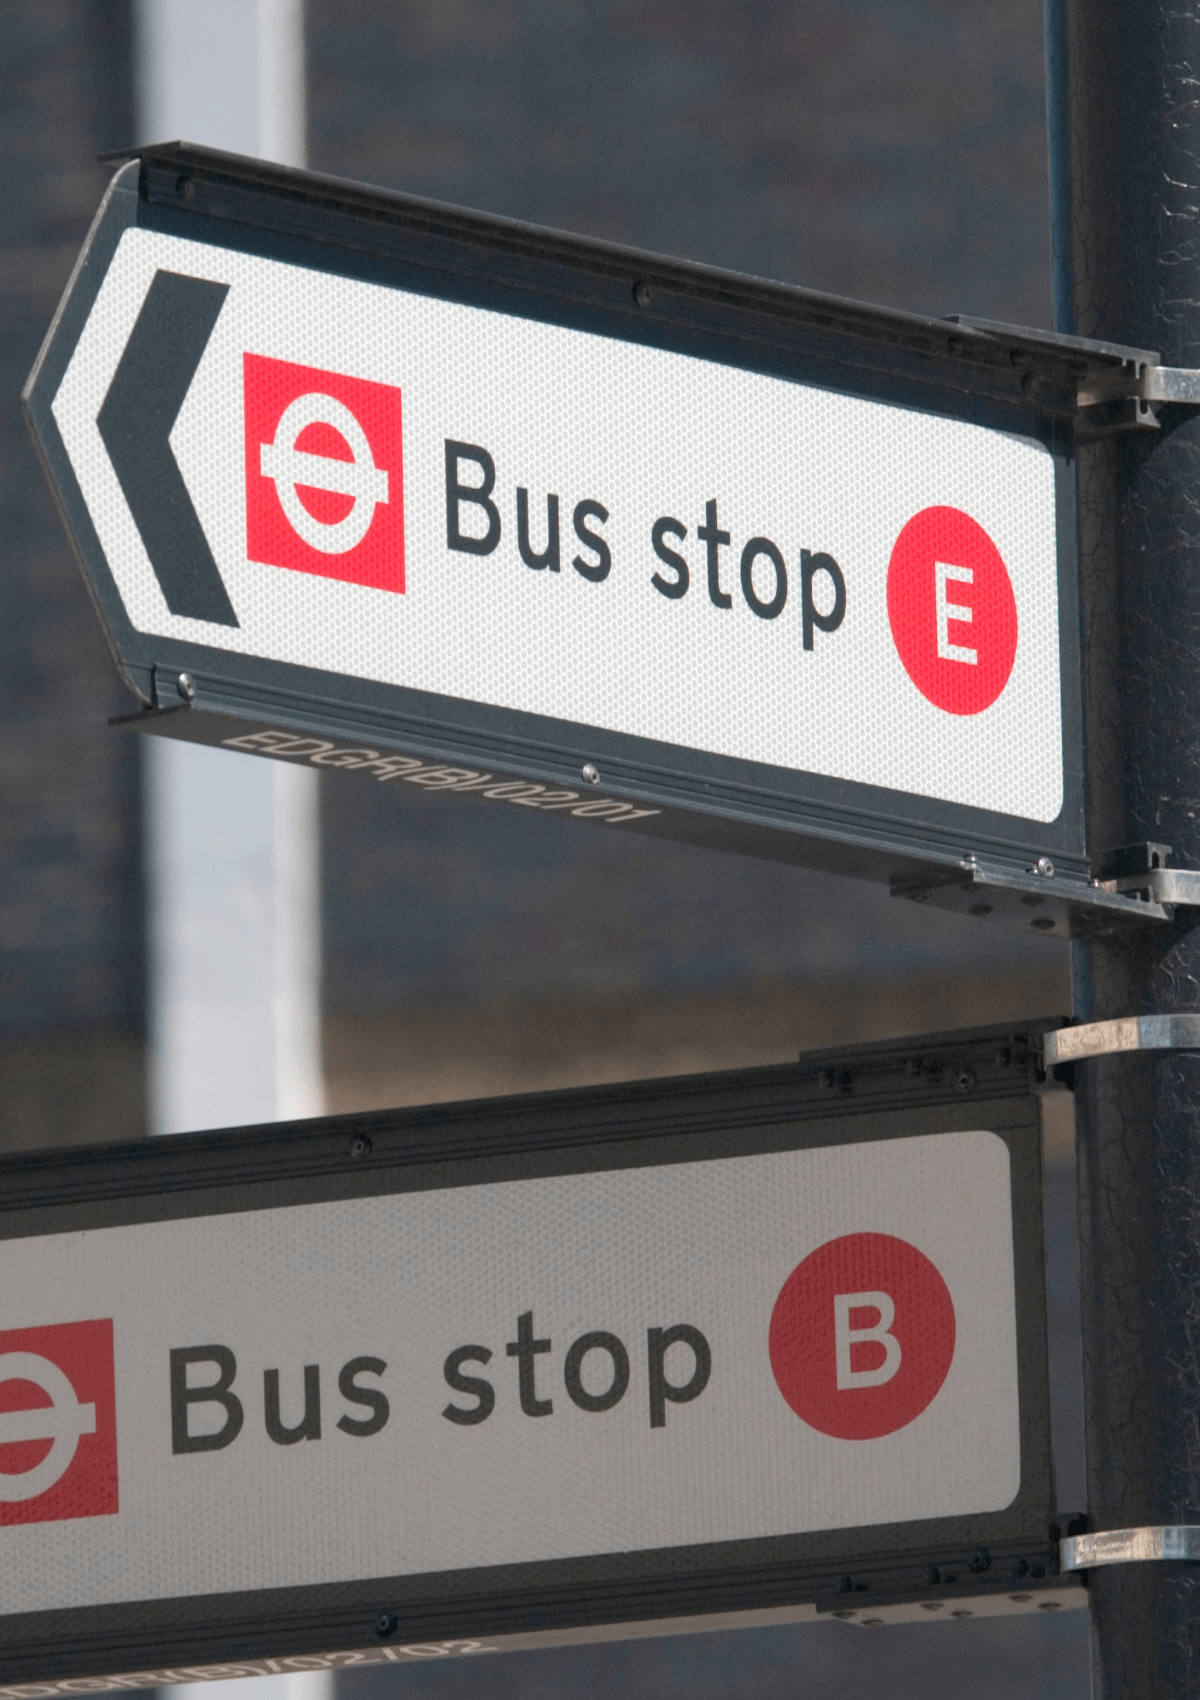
<point x="1141" y="870"/>
<point x="1116" y="388"/>
<point x="1179" y="887"/>
<point x="1129" y="399"/>
<point x="1145" y="381"/>
<point x="1126" y="1033"/>
<point x="1130" y="1546"/>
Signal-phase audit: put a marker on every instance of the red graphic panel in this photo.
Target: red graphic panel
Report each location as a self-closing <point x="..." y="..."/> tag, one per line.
<point x="862" y="1336"/>
<point x="324" y="473"/>
<point x="58" y="1423"/>
<point x="952" y="610"/>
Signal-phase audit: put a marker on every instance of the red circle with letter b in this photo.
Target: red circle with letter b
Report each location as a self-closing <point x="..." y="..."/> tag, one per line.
<point x="952" y="610"/>
<point x="862" y="1336"/>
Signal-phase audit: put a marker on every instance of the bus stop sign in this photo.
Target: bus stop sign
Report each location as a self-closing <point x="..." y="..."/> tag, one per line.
<point x="440" y="499"/>
<point x="738" y="1349"/>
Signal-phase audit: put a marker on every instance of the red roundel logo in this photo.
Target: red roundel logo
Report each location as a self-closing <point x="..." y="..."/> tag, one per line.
<point x="952" y="610"/>
<point x="324" y="474"/>
<point x="862" y="1336"/>
<point x="58" y="1423"/>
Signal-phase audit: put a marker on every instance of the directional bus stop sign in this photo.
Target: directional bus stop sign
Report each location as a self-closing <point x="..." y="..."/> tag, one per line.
<point x="737" y="1349"/>
<point x="445" y="500"/>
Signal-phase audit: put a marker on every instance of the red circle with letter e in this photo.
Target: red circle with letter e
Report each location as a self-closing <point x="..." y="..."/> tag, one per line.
<point x="952" y="610"/>
<point x="862" y="1336"/>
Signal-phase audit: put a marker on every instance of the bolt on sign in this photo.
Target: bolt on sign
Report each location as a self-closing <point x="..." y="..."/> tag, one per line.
<point x="741" y="1349"/>
<point x="364" y="482"/>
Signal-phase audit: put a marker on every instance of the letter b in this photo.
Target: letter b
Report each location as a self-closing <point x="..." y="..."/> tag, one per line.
<point x="212" y="1392"/>
<point x="846" y="1337"/>
<point x="475" y="495"/>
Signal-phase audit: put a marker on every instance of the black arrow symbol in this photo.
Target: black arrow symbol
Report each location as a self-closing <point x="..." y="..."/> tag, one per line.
<point x="139" y="413"/>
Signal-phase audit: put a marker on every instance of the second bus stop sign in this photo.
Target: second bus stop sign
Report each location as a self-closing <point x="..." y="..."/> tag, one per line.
<point x="366" y="482"/>
<point x="684" y="1354"/>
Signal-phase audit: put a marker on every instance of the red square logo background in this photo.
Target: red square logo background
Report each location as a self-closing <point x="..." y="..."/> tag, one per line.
<point x="83" y="1351"/>
<point x="269" y="388"/>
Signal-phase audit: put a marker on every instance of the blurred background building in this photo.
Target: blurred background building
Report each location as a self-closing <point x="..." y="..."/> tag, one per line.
<point x="896" y="152"/>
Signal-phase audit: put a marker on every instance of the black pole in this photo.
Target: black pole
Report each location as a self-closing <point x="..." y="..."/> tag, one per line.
<point x="1124" y="81"/>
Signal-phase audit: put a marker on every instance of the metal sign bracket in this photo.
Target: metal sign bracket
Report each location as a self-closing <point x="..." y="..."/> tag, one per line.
<point x="1060" y="908"/>
<point x="1131" y="402"/>
<point x="1130" y="1546"/>
<point x="1128" y="1033"/>
<point x="1134" y="885"/>
<point x="1177" y="887"/>
<point x="1124" y="393"/>
<point x="1140" y="870"/>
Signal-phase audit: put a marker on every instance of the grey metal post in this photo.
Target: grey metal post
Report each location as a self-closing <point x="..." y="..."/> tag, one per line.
<point x="233" y="930"/>
<point x="1124" y="81"/>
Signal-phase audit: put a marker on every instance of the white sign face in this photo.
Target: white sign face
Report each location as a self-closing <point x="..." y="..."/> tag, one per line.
<point x="416" y="492"/>
<point x="492" y="1374"/>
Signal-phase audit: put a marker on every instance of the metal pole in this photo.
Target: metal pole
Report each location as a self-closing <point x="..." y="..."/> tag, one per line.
<point x="1124" y="87"/>
<point x="234" y="929"/>
<point x="232" y="847"/>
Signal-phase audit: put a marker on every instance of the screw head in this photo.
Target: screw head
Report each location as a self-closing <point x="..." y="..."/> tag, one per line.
<point x="590" y="773"/>
<point x="642" y="293"/>
<point x="360" y="1145"/>
<point x="385" y="1623"/>
<point x="1045" y="867"/>
<point x="964" y="1080"/>
<point x="186" y="686"/>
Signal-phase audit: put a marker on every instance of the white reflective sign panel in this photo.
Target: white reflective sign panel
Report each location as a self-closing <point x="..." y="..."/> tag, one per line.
<point x="491" y="1374"/>
<point x="416" y="492"/>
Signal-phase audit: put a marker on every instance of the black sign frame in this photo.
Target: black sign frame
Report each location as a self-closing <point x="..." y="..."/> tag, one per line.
<point x="984" y="1078"/>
